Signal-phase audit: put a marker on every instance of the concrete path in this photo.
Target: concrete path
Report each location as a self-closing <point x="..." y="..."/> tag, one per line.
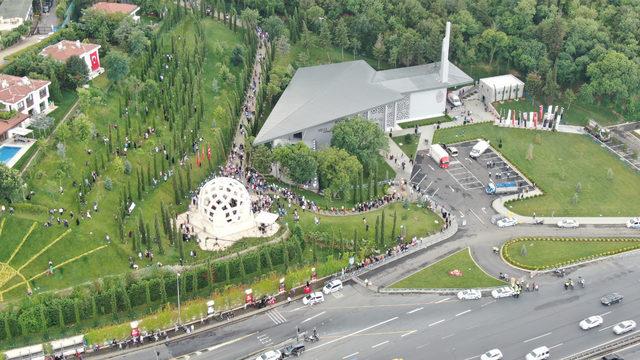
<point x="25" y="43"/>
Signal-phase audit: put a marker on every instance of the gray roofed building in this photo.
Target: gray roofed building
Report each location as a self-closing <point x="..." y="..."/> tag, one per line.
<point x="14" y="12"/>
<point x="318" y="96"/>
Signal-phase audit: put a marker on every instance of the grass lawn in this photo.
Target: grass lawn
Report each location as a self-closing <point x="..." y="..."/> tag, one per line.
<point x="436" y="275"/>
<point x="408" y="147"/>
<point x="414" y="221"/>
<point x="425" y="122"/>
<point x="46" y="178"/>
<point x="578" y="112"/>
<point x="560" y="162"/>
<point x="548" y="253"/>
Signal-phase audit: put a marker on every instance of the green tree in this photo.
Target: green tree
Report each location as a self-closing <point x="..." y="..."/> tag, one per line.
<point x="379" y="50"/>
<point x="76" y="72"/>
<point x="614" y="76"/>
<point x="336" y="170"/>
<point x="261" y="159"/>
<point x="10" y="183"/>
<point x="361" y="138"/>
<point x="298" y="160"/>
<point x="492" y="41"/>
<point x="341" y="36"/>
<point x="117" y="64"/>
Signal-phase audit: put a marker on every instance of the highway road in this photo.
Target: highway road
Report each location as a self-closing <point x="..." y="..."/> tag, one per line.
<point x="360" y="324"/>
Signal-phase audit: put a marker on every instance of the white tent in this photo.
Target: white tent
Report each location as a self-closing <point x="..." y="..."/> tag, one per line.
<point x="266" y="218"/>
<point x="500" y="88"/>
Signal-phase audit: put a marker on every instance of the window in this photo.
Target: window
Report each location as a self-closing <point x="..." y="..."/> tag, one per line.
<point x="43" y="92"/>
<point x="298" y="136"/>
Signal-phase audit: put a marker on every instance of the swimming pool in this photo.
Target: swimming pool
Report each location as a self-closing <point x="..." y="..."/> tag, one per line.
<point x="7" y="153"/>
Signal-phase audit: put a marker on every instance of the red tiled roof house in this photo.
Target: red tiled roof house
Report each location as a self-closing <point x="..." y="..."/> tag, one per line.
<point x="23" y="95"/>
<point x="117" y="8"/>
<point x="65" y="49"/>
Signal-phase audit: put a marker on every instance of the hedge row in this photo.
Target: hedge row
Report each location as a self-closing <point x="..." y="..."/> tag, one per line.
<point x="42" y="313"/>
<point x="506" y="255"/>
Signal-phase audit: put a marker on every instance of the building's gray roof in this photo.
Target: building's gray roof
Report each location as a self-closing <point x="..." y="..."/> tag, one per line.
<point x="420" y="78"/>
<point x="319" y="94"/>
<point x="15" y="8"/>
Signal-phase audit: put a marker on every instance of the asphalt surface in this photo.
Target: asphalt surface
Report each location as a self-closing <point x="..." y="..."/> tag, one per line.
<point x="358" y="323"/>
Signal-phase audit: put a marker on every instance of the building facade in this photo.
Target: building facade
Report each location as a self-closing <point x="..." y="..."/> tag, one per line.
<point x="65" y="49"/>
<point x="23" y="94"/>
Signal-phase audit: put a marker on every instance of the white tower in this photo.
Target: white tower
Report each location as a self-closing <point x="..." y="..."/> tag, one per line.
<point x="444" y="58"/>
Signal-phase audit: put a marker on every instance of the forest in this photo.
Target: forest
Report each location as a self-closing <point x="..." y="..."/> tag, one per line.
<point x="582" y="49"/>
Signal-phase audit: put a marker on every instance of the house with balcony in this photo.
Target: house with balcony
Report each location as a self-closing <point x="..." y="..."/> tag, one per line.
<point x="65" y="49"/>
<point x="24" y="95"/>
<point x="118" y="8"/>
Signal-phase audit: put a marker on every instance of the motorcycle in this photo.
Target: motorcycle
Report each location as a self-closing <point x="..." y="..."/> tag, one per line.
<point x="559" y="272"/>
<point x="538" y="222"/>
<point x="311" y="338"/>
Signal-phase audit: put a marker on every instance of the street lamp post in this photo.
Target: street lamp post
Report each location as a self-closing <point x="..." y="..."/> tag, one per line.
<point x="178" y="288"/>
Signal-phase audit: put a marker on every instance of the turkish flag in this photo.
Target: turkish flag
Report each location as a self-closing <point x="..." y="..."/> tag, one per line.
<point x="95" y="61"/>
<point x="209" y="152"/>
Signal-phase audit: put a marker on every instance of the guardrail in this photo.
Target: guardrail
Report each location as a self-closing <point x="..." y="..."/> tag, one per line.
<point x="448" y="291"/>
<point x="606" y="348"/>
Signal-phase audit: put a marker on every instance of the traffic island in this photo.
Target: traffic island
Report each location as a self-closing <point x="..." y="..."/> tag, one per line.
<point x="538" y="253"/>
<point x="456" y="271"/>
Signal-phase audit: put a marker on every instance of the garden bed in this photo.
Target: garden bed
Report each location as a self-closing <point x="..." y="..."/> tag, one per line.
<point x="534" y="253"/>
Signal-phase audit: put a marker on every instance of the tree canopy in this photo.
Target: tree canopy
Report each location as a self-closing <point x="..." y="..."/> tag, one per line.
<point x="10" y="183"/>
<point x="361" y="138"/>
<point x="298" y="161"/>
<point x="337" y="170"/>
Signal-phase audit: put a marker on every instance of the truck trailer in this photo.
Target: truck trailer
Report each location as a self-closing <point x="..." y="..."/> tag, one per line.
<point x="506" y="187"/>
<point x="596" y="130"/>
<point x="440" y="156"/>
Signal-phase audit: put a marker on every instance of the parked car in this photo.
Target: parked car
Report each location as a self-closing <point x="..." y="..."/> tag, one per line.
<point x="494" y="354"/>
<point x="591" y="322"/>
<point x="453" y="150"/>
<point x="454" y="99"/>
<point x="470" y="294"/>
<point x="313" y="298"/>
<point x="634" y="223"/>
<point x="624" y="327"/>
<point x="502" y="292"/>
<point x="270" y="355"/>
<point x="612" y="357"/>
<point x="611" y="298"/>
<point x="507" y="222"/>
<point x="292" y="350"/>
<point x="332" y="286"/>
<point x="539" y="353"/>
<point x="568" y="223"/>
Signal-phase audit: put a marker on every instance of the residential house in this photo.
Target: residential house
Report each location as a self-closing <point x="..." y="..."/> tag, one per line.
<point x="65" y="49"/>
<point x="14" y="13"/>
<point x="118" y="8"/>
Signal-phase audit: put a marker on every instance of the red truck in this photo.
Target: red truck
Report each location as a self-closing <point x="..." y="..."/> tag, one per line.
<point x="440" y="156"/>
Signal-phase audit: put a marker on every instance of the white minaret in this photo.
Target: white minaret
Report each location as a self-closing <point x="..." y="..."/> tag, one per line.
<point x="444" y="58"/>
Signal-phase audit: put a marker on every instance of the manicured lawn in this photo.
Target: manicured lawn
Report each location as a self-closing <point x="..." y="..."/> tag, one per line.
<point x="547" y="253"/>
<point x="408" y="148"/>
<point x="425" y="122"/>
<point x="578" y="113"/>
<point x="414" y="221"/>
<point x="436" y="275"/>
<point x="560" y="162"/>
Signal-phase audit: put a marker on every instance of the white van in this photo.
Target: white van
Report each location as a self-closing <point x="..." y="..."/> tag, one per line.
<point x="454" y="99"/>
<point x="478" y="149"/>
<point x="540" y="353"/>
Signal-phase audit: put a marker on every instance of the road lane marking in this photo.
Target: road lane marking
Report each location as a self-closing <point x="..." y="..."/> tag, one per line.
<point x="461" y="213"/>
<point x="441" y="301"/>
<point x="555" y="346"/>
<point x="607" y="313"/>
<point x="434" y="193"/>
<point x="473" y="357"/>
<point x="451" y="188"/>
<point x="448" y="336"/>
<point x="476" y="215"/>
<point x="436" y="323"/>
<point x="490" y="302"/>
<point x="537" y="337"/>
<point x="608" y="327"/>
<point x="431" y="167"/>
<point x="211" y="348"/>
<point x="464" y="312"/>
<point x="313" y="317"/>
<point x="409" y="333"/>
<point x="354" y="333"/>
<point x="298" y="308"/>
<point x="350" y="355"/>
<point x="380" y="344"/>
<point x="421" y="346"/>
<point x="415" y="310"/>
<point x="483" y="210"/>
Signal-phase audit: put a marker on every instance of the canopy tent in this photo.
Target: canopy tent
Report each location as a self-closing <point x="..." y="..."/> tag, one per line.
<point x="21" y="131"/>
<point x="34" y="352"/>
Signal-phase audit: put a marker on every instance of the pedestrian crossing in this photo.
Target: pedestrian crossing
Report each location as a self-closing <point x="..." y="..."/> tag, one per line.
<point x="276" y="316"/>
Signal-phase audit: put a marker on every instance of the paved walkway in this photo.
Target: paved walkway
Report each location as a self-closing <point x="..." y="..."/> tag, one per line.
<point x="25" y="43"/>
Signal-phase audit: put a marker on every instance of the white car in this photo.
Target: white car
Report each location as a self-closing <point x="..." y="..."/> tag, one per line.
<point x="506" y="222"/>
<point x="470" y="294"/>
<point x="454" y="99"/>
<point x="591" y="322"/>
<point x="634" y="223"/>
<point x="313" y="298"/>
<point x="568" y="223"/>
<point x="270" y="355"/>
<point x="494" y="354"/>
<point x="624" y="327"/>
<point x="502" y="292"/>
<point x="332" y="286"/>
<point x="539" y="353"/>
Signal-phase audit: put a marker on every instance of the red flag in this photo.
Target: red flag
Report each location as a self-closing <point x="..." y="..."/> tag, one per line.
<point x="513" y="118"/>
<point x="540" y="117"/>
<point x="209" y="152"/>
<point x="202" y="157"/>
<point x="198" y="159"/>
<point x="535" y="120"/>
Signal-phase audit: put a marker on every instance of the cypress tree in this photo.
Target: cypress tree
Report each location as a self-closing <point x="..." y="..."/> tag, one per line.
<point x="158" y="238"/>
<point x="376" y="228"/>
<point x="227" y="272"/>
<point x="355" y="243"/>
<point x="267" y="255"/>
<point x="393" y="227"/>
<point x="285" y="257"/>
<point x="382" y="233"/>
<point x="243" y="273"/>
